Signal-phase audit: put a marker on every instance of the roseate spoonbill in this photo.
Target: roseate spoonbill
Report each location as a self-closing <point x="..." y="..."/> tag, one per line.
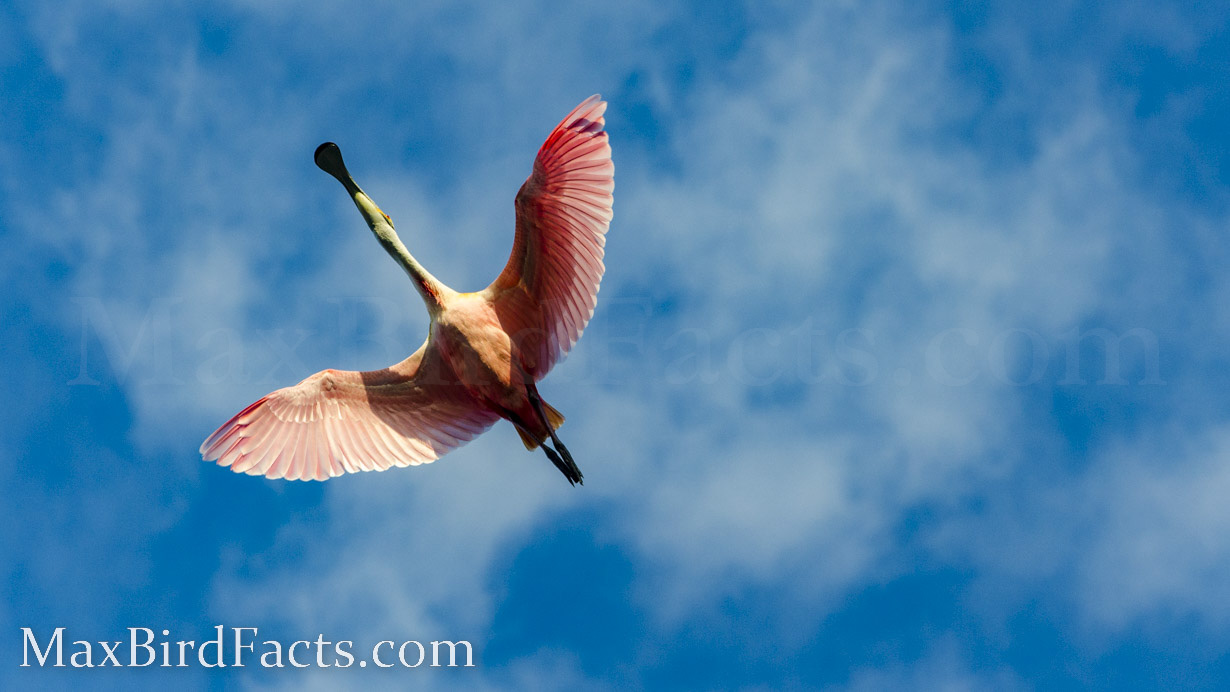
<point x="484" y="351"/>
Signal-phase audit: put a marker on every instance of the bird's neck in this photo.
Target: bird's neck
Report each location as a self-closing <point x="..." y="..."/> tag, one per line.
<point x="428" y="286"/>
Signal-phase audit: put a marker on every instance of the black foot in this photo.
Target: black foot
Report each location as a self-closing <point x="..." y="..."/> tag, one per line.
<point x="566" y="466"/>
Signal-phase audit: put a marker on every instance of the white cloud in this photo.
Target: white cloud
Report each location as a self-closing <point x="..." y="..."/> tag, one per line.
<point x="1158" y="551"/>
<point x="942" y="667"/>
<point x="806" y="189"/>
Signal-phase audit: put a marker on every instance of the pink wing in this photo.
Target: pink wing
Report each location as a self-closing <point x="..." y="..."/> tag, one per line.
<point x="339" y="421"/>
<point x="547" y="291"/>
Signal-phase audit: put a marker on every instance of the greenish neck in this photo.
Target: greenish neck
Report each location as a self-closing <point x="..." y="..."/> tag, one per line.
<point x="428" y="286"/>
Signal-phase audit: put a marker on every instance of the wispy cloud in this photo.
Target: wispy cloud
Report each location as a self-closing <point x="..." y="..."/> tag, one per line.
<point x="850" y="325"/>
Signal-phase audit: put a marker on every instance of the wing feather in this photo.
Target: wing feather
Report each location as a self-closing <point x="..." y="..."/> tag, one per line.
<point x="548" y="290"/>
<point x="337" y="422"/>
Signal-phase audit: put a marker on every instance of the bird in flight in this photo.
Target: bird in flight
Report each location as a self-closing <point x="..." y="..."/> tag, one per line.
<point x="484" y="352"/>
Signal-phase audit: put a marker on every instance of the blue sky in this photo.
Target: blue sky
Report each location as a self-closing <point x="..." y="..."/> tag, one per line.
<point x="908" y="368"/>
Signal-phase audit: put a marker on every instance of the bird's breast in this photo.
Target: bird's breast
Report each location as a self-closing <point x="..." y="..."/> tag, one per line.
<point x="479" y="350"/>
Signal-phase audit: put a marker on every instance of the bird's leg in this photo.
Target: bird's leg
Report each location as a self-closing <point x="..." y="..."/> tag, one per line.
<point x="566" y="465"/>
<point x="570" y="470"/>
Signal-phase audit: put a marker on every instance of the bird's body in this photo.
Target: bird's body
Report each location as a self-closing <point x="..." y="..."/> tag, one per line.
<point x="469" y="337"/>
<point x="484" y="353"/>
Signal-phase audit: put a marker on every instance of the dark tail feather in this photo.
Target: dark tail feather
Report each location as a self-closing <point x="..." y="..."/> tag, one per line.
<point x="566" y="465"/>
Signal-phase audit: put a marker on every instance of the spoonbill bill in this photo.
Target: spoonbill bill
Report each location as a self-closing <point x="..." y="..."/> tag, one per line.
<point x="484" y="352"/>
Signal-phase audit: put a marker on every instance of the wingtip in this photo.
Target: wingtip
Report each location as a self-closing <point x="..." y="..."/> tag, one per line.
<point x="208" y="449"/>
<point x="592" y="108"/>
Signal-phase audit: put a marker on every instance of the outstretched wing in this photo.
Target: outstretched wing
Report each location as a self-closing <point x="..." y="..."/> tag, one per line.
<point x="547" y="291"/>
<point x="339" y="421"/>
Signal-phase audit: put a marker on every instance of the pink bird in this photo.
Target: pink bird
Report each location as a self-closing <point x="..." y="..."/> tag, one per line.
<point x="484" y="352"/>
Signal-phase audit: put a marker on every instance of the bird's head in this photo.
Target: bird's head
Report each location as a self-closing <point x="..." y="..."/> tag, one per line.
<point x="329" y="159"/>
